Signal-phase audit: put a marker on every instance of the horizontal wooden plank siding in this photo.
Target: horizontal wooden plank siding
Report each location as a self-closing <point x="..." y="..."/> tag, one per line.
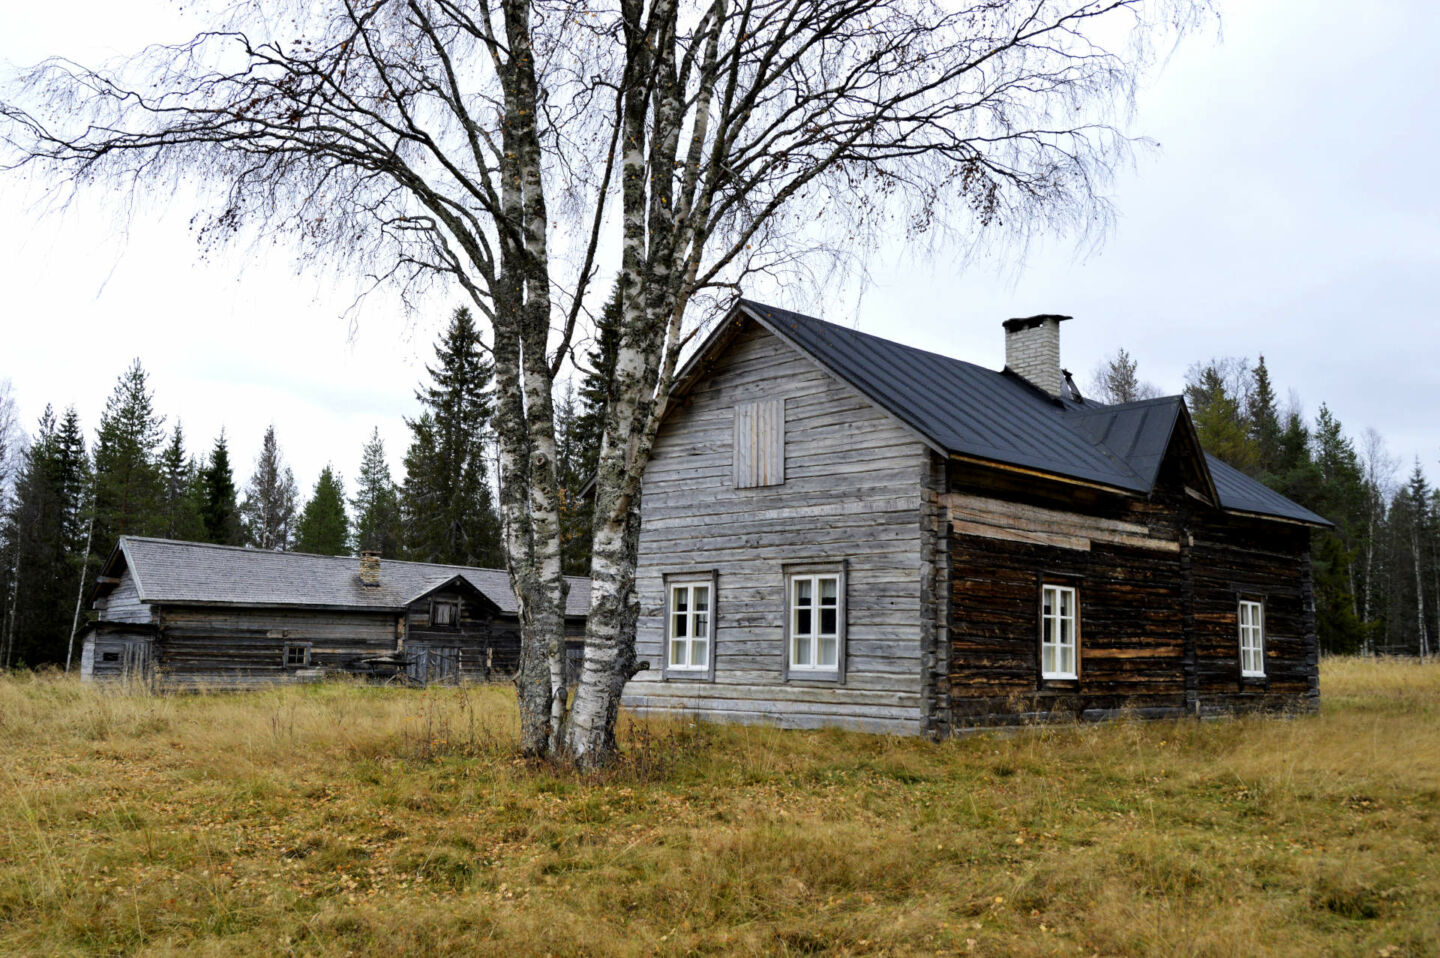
<point x="245" y="648"/>
<point x="848" y="487"/>
<point x="123" y="604"/>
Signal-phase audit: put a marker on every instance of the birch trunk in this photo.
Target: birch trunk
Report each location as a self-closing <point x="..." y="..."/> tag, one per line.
<point x="1419" y="589"/>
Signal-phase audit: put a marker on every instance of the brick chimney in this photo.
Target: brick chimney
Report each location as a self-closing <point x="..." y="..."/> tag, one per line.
<point x="1032" y="350"/>
<point x="370" y="569"/>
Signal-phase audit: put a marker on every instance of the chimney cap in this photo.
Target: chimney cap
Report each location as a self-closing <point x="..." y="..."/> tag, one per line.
<point x="1030" y="322"/>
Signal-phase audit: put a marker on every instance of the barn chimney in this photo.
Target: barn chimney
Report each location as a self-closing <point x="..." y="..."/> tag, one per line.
<point x="1032" y="350"/>
<point x="370" y="569"/>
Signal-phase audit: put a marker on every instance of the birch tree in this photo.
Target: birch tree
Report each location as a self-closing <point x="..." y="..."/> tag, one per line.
<point x="508" y="149"/>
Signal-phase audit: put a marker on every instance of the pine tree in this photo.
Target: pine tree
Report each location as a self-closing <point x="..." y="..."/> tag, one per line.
<point x="323" y="528"/>
<point x="219" y="513"/>
<point x="180" y="506"/>
<point x="377" y="502"/>
<point x="447" y="502"/>
<point x="128" y="484"/>
<point x="267" y="515"/>
<point x="572" y="476"/>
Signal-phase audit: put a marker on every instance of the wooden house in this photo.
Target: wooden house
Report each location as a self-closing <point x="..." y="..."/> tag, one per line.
<point x="841" y="530"/>
<point x="219" y="616"/>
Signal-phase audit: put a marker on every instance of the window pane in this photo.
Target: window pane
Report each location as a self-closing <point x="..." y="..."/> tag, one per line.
<point x="1049" y="601"/>
<point x="702" y="625"/>
<point x="1047" y="658"/>
<point x="700" y="651"/>
<point x="802" y="622"/>
<point x="1067" y="603"/>
<point x="678" y="624"/>
<point x="801" y="651"/>
<point x="1067" y="659"/>
<point x="802" y="592"/>
<point x="677" y="653"/>
<point x="680" y="599"/>
<point x="827" y="621"/>
<point x="827" y="591"/>
<point x="827" y="649"/>
<point x="702" y="598"/>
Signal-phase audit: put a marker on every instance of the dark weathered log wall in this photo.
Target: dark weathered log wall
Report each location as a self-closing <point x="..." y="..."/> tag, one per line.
<point x="1158" y="582"/>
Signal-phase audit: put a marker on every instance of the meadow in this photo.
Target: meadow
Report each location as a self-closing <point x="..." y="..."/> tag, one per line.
<point x="342" y="819"/>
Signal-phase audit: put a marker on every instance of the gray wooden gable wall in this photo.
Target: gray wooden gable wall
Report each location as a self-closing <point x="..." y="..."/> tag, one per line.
<point x="851" y="491"/>
<point x="123" y="603"/>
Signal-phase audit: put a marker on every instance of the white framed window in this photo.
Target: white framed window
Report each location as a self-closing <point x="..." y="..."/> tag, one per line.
<point x="689" y="622"/>
<point x="815" y="626"/>
<point x="1059" y="632"/>
<point x="1252" y="638"/>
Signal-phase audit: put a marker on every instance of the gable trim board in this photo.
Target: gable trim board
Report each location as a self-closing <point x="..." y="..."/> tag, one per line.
<point x="937" y="518"/>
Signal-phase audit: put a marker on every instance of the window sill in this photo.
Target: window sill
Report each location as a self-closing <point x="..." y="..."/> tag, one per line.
<point x="795" y="676"/>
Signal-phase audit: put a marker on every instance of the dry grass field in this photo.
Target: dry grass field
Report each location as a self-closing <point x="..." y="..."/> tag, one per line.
<point x="349" y="820"/>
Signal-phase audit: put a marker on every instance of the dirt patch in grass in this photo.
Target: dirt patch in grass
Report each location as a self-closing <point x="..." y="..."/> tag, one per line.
<point x="342" y="819"/>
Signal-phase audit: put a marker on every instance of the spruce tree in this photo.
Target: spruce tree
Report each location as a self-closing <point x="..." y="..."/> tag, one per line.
<point x="447" y="502"/>
<point x="267" y="515"/>
<point x="47" y="527"/>
<point x="376" y="503"/>
<point x="128" y="483"/>
<point x="579" y="431"/>
<point x="1264" y="420"/>
<point x="323" y="528"/>
<point x="181" y="506"/>
<point x="219" y="513"/>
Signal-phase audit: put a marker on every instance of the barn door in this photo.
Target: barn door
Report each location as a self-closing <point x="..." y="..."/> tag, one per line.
<point x="135" y="660"/>
<point x="444" y="665"/>
<point x="431" y="664"/>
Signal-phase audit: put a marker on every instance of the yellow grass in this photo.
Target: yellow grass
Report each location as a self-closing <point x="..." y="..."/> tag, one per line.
<point x="342" y="819"/>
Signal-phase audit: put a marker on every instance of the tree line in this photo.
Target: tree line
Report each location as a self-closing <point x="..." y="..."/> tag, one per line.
<point x="1377" y="571"/>
<point x="65" y="502"/>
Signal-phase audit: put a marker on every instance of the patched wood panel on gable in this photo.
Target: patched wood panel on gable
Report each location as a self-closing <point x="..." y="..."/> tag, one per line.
<point x="759" y="456"/>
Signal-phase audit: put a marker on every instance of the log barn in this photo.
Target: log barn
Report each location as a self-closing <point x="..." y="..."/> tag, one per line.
<point x="193" y="614"/>
<point x="842" y="530"/>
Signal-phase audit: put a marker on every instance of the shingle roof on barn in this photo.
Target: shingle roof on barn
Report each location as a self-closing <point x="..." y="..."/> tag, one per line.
<point x="963" y="409"/>
<point x="167" y="570"/>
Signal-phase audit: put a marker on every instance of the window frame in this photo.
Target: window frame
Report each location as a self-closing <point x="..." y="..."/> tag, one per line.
<point x="1074" y="618"/>
<point x="839" y="571"/>
<point x="453" y="604"/>
<point x="304" y="648"/>
<point x="688" y="673"/>
<point x="1258" y="604"/>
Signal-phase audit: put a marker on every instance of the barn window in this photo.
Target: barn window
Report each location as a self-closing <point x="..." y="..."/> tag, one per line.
<point x="689" y="625"/>
<point x="759" y="456"/>
<point x="1252" y="638"/>
<point x="1059" y="632"/>
<point x="815" y="623"/>
<point x="297" y="656"/>
<point x="444" y="614"/>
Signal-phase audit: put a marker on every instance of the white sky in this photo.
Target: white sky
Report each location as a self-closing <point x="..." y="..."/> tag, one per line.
<point x="1293" y="210"/>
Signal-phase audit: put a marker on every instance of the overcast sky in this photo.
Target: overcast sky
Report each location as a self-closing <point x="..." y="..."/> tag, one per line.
<point x="1292" y="210"/>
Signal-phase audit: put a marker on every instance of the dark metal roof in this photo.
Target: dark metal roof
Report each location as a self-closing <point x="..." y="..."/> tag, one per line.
<point x="959" y="408"/>
<point x="167" y="570"/>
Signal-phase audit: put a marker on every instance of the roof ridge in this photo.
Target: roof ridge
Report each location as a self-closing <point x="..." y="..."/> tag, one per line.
<point x="316" y="555"/>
